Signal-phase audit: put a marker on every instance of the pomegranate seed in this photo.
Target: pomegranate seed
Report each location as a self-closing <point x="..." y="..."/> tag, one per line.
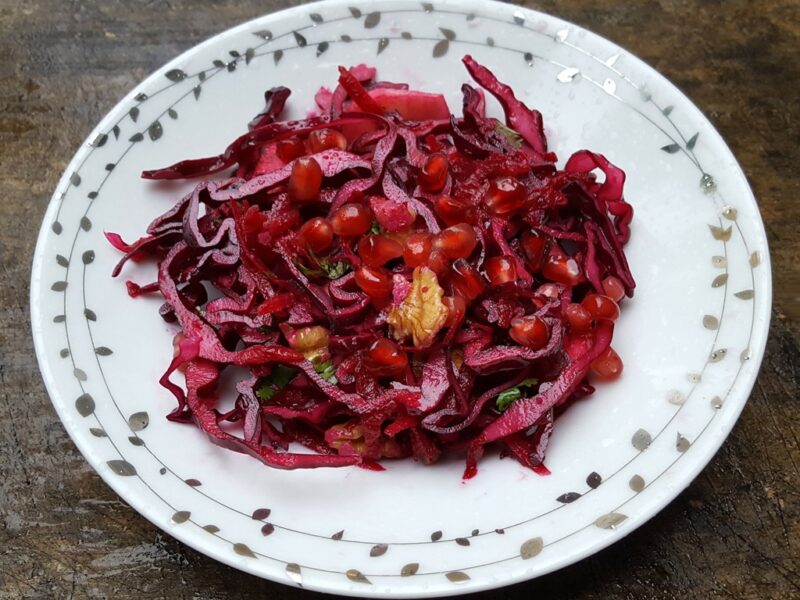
<point x="578" y="318"/>
<point x="600" y="307"/>
<point x="288" y="150"/>
<point x="305" y="180"/>
<point x="317" y="234"/>
<point x="377" y="250"/>
<point x="417" y="249"/>
<point x="529" y="331"/>
<point x="533" y="247"/>
<point x="438" y="262"/>
<point x="456" y="309"/>
<point x="457" y="241"/>
<point x="505" y="196"/>
<point x="452" y="210"/>
<point x="563" y="269"/>
<point x="500" y="269"/>
<point x="385" y="358"/>
<point x="434" y="173"/>
<point x="323" y="139"/>
<point x="608" y="366"/>
<point x="548" y="290"/>
<point x="375" y="282"/>
<point x="351" y="219"/>
<point x="613" y="288"/>
<point x="466" y="280"/>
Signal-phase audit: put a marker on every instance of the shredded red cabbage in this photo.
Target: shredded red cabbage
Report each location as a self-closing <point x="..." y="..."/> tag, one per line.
<point x="398" y="280"/>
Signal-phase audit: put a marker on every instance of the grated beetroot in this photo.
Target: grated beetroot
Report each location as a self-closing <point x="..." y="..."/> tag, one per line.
<point x="361" y="358"/>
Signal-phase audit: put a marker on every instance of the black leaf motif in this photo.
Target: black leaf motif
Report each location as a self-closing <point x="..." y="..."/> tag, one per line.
<point x="100" y="140"/>
<point x="84" y="405"/>
<point x="140" y="97"/>
<point x="322" y="47"/>
<point x="267" y="529"/>
<point x="372" y="19"/>
<point x="406" y="35"/>
<point x="201" y="76"/>
<point x="500" y="531"/>
<point x="671" y="148"/>
<point x="462" y="541"/>
<point x="56" y="227"/>
<point x="316" y="17"/>
<point x="89" y="314"/>
<point x="122" y="467"/>
<point x="115" y="131"/>
<point x="568" y="497"/>
<point x="277" y="56"/>
<point x="196" y="91"/>
<point x="265" y="34"/>
<point x="427" y="7"/>
<point x="134" y="113"/>
<point x="441" y="48"/>
<point x="211" y="528"/>
<point x="79" y="374"/>
<point x="62" y="260"/>
<point x="346" y="38"/>
<point x="231" y="66"/>
<point x="86" y="224"/>
<point x="192" y="482"/>
<point x="59" y="319"/>
<point x="249" y="54"/>
<point x="409" y="569"/>
<point x="136" y="137"/>
<point x="181" y="516"/>
<point x="475" y="532"/>
<point x="382" y="43"/>
<point x="173" y="114"/>
<point x="88" y="257"/>
<point x="175" y="75"/>
<point x="59" y="286"/>
<point x="528" y="58"/>
<point x="97" y="432"/>
<point x="593" y="480"/>
<point x="110" y="167"/>
<point x="75" y="179"/>
<point x="261" y="513"/>
<point x="355" y="12"/>
<point x="667" y="110"/>
<point x="234" y="53"/>
<point x="155" y="130"/>
<point x="436" y="536"/>
<point x="378" y="550"/>
<point x="92" y="195"/>
<point x="448" y="33"/>
<point x="490" y="42"/>
<point x="64" y="352"/>
<point x="692" y="141"/>
<point x="138" y="421"/>
<point x="219" y="64"/>
<point x="103" y="351"/>
<point x="136" y="441"/>
<point x="301" y="41"/>
<point x="338" y="535"/>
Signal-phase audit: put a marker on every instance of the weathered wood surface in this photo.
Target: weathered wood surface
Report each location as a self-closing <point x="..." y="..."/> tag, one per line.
<point x="735" y="533"/>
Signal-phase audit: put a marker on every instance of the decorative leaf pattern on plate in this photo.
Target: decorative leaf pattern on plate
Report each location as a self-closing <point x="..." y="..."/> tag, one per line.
<point x="372" y="20"/>
<point x="610" y="521"/>
<point x="568" y="497"/>
<point x="175" y="75"/>
<point x="409" y="570"/>
<point x="243" y="550"/>
<point x="122" y="468"/>
<point x="531" y="548"/>
<point x="139" y="421"/>
<point x="378" y="550"/>
<point x="357" y="576"/>
<point x="84" y="405"/>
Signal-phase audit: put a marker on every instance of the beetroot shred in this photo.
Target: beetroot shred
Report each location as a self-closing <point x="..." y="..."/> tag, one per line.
<point x="398" y="281"/>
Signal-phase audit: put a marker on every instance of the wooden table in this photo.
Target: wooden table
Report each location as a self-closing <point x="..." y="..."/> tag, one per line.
<point x="735" y="533"/>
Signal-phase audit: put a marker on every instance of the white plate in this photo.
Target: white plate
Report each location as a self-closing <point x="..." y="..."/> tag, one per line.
<point x="692" y="339"/>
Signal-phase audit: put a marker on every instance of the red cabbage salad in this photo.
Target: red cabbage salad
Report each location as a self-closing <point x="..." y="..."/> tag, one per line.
<point x="396" y="280"/>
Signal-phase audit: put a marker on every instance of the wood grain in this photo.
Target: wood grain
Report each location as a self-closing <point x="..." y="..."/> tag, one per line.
<point x="734" y="533"/>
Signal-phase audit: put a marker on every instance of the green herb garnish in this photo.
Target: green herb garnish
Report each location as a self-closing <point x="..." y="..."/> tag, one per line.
<point x="325" y="267"/>
<point x="326" y="370"/>
<point x="507" y="397"/>
<point x="375" y="228"/>
<point x="514" y="138"/>
<point x="279" y="378"/>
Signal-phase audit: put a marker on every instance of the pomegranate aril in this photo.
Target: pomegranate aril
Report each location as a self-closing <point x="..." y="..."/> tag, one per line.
<point x="500" y="270"/>
<point x="548" y="290"/>
<point x="608" y="366"/>
<point x="385" y="358"/>
<point x="438" y="262"/>
<point x="452" y="210"/>
<point x="433" y="175"/>
<point x="324" y="139"/>
<point x="533" y="247"/>
<point x="377" y="250"/>
<point x="562" y="269"/>
<point x="317" y="234"/>
<point x="456" y="308"/>
<point x="417" y="249"/>
<point x="613" y="288"/>
<point x="375" y="282"/>
<point x="305" y="180"/>
<point x="288" y="150"/>
<point x="457" y="241"/>
<point x="600" y="307"/>
<point x="505" y="196"/>
<point x="351" y="219"/>
<point x="529" y="331"/>
<point x="578" y="318"/>
<point x="466" y="281"/>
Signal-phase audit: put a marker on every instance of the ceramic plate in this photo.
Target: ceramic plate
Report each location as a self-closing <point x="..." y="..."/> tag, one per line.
<point x="692" y="338"/>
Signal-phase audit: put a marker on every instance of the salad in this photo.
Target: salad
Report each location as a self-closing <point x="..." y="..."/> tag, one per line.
<point x="396" y="280"/>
